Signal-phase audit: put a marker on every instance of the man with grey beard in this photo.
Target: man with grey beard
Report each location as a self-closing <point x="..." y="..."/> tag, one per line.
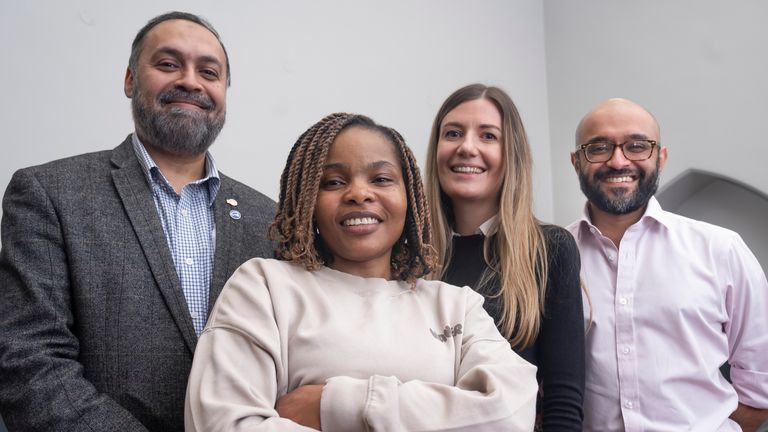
<point x="111" y="261"/>
<point x="672" y="298"/>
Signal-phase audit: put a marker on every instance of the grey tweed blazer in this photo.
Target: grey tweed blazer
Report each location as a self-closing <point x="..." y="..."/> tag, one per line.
<point x="95" y="334"/>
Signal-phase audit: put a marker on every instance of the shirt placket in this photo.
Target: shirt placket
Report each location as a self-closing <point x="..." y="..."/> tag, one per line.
<point x="189" y="252"/>
<point x="626" y="344"/>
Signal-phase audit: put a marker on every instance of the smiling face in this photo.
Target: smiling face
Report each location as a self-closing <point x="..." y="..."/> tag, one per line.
<point x="618" y="186"/>
<point x="361" y="205"/>
<point x="178" y="88"/>
<point x="470" y="155"/>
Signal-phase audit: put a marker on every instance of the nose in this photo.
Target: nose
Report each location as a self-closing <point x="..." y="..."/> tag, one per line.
<point x="189" y="80"/>
<point x="468" y="146"/>
<point x="617" y="160"/>
<point x="358" y="192"/>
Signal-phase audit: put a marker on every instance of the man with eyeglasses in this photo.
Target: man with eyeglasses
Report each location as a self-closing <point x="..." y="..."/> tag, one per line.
<point x="672" y="298"/>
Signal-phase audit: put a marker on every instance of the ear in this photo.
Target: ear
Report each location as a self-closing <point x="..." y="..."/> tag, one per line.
<point x="662" y="157"/>
<point x="128" y="84"/>
<point x="575" y="161"/>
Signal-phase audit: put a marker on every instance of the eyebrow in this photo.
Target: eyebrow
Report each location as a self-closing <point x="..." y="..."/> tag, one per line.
<point x="600" y="138"/>
<point x="482" y="126"/>
<point x="372" y="165"/>
<point x="178" y="54"/>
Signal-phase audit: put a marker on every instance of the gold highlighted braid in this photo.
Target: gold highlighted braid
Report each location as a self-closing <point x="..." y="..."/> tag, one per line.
<point x="294" y="227"/>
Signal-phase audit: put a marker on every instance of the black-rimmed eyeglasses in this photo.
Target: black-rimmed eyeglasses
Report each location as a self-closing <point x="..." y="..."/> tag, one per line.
<point x="634" y="150"/>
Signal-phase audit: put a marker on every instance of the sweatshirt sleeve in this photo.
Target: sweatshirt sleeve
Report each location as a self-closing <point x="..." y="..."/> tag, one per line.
<point x="495" y="390"/>
<point x="238" y="370"/>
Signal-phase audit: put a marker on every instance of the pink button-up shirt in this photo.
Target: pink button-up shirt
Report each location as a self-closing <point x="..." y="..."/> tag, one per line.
<point x="676" y="299"/>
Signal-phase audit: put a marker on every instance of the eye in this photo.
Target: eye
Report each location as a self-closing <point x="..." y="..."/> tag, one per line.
<point x="598" y="148"/>
<point x="167" y="66"/>
<point x="488" y="136"/>
<point x="637" y="146"/>
<point x="331" y="183"/>
<point x="451" y="134"/>
<point x="210" y="74"/>
<point x="383" y="179"/>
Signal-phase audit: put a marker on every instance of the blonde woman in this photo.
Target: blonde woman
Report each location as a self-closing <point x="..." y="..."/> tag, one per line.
<point x="487" y="237"/>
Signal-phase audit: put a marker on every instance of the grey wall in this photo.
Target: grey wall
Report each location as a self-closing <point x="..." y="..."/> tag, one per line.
<point x="292" y="63"/>
<point x="722" y="202"/>
<point x="700" y="67"/>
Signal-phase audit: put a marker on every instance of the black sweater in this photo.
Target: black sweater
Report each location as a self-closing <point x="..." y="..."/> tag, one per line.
<point x="558" y="350"/>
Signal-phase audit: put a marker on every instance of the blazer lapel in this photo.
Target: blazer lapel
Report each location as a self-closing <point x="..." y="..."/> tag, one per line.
<point x="229" y="232"/>
<point x="132" y="187"/>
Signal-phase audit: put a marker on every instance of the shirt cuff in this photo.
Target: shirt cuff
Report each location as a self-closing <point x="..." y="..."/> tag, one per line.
<point x="342" y="403"/>
<point x="751" y="387"/>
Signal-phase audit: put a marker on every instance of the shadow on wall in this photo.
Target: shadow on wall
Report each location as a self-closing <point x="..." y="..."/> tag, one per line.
<point x="722" y="201"/>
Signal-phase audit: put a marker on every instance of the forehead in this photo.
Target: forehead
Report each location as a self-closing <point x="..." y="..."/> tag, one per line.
<point x="191" y="39"/>
<point x="359" y="144"/>
<point x="481" y="111"/>
<point x="618" y="120"/>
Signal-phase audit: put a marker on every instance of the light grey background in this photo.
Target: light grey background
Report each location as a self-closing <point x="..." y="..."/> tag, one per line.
<point x="699" y="66"/>
<point x="293" y="62"/>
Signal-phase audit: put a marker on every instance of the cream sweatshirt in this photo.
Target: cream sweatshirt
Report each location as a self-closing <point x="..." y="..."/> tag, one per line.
<point x="392" y="357"/>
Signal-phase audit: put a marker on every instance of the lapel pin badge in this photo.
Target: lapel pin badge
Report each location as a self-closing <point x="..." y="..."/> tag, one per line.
<point x="232" y="202"/>
<point x="234" y="214"/>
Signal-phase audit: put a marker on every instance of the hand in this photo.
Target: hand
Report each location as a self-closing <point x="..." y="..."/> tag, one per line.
<point x="749" y="418"/>
<point x="302" y="405"/>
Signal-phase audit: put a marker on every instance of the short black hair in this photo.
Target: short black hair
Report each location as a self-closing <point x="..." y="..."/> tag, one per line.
<point x="133" y="60"/>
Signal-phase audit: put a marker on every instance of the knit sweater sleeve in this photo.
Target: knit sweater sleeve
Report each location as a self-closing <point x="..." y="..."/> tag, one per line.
<point x="560" y="343"/>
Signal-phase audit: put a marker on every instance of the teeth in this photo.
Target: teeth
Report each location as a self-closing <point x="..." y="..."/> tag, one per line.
<point x="360" y="221"/>
<point x="467" y="169"/>
<point x="618" y="179"/>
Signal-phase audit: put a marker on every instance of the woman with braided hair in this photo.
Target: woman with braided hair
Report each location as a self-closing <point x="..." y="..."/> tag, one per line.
<point x="479" y="175"/>
<point x="342" y="333"/>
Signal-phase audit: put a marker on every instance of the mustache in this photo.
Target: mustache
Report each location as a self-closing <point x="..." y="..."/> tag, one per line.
<point x="600" y="175"/>
<point x="181" y="95"/>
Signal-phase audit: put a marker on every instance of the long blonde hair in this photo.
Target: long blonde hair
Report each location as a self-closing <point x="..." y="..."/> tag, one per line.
<point x="517" y="253"/>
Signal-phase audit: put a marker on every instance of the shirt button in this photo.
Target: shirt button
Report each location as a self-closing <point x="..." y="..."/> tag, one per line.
<point x="592" y="230"/>
<point x="628" y="404"/>
<point x="194" y="315"/>
<point x="184" y="212"/>
<point x="610" y="257"/>
<point x="625" y="350"/>
<point x="188" y="261"/>
<point x="623" y="301"/>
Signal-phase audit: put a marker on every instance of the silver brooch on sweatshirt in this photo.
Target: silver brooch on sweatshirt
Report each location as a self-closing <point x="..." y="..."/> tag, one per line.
<point x="448" y="332"/>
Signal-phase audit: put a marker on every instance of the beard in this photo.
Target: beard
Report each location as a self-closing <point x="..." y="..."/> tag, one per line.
<point x="624" y="201"/>
<point x="177" y="131"/>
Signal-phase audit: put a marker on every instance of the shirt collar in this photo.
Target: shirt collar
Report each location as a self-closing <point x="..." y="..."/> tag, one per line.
<point x="152" y="171"/>
<point x="486" y="228"/>
<point x="652" y="212"/>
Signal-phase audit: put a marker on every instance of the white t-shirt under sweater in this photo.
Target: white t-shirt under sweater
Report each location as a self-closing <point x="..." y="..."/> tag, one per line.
<point x="393" y="357"/>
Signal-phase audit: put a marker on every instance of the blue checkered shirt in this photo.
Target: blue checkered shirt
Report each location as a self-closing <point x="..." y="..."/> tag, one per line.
<point x="189" y="228"/>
